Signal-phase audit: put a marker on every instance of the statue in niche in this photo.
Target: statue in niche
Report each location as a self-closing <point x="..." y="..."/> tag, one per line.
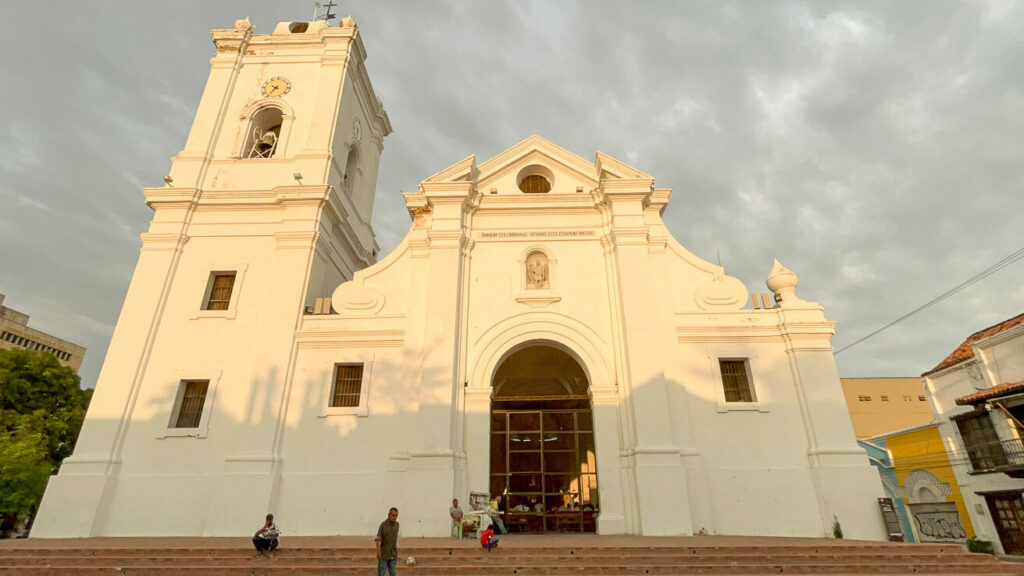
<point x="537" y="271"/>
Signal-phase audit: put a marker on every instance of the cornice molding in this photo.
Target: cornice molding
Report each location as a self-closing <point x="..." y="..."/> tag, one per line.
<point x="163" y="242"/>
<point x="167" y="197"/>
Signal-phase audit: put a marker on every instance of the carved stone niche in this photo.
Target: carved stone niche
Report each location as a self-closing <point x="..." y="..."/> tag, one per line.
<point x="537" y="272"/>
<point x="536" y="278"/>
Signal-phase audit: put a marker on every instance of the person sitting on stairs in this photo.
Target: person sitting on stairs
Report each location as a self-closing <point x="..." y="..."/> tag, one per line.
<point x="265" y="539"/>
<point x="487" y="539"/>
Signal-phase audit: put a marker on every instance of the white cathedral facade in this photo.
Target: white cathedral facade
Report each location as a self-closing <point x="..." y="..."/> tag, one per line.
<point x="538" y="334"/>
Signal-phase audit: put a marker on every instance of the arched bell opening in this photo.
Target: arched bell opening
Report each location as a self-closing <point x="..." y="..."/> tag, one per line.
<point x="264" y="134"/>
<point x="543" y="457"/>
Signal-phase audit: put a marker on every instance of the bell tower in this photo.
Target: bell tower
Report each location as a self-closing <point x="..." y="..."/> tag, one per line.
<point x="266" y="208"/>
<point x="286" y="114"/>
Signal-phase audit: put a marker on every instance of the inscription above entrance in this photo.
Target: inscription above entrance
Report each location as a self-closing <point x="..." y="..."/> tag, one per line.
<point x="539" y="234"/>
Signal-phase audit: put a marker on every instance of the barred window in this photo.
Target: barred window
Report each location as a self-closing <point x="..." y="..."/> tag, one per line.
<point x="192" y="400"/>
<point x="348" y="383"/>
<point x="221" y="285"/>
<point x="535" y="184"/>
<point x="980" y="440"/>
<point x="736" y="381"/>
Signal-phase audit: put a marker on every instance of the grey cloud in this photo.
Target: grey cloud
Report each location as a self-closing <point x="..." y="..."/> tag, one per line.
<point x="873" y="147"/>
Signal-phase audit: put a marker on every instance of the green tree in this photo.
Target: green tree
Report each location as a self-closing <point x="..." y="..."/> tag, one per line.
<point x="24" y="471"/>
<point x="41" y="412"/>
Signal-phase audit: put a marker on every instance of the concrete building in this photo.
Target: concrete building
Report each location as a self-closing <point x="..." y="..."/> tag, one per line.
<point x="539" y="334"/>
<point x="15" y="333"/>
<point x="881" y="405"/>
<point x="977" y="393"/>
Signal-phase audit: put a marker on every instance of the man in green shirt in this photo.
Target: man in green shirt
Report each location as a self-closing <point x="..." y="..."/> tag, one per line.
<point x="387" y="544"/>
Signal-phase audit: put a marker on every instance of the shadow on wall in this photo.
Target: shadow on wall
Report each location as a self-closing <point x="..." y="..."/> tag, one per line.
<point x="271" y="445"/>
<point x="752" y="475"/>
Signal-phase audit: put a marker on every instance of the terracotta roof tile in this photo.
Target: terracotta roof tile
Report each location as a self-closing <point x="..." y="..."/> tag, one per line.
<point x="993" y="392"/>
<point x="964" y="351"/>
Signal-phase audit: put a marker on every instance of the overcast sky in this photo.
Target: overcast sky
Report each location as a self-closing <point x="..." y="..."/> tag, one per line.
<point x="875" y="148"/>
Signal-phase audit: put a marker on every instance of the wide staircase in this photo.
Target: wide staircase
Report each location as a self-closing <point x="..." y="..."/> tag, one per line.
<point x="518" y="556"/>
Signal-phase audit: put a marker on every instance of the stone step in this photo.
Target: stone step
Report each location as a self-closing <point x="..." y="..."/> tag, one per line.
<point x="269" y="570"/>
<point x="517" y="557"/>
<point x="498" y="557"/>
<point x="888" y="550"/>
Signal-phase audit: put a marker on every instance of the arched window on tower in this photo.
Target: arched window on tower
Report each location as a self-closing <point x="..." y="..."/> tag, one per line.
<point x="264" y="134"/>
<point x="351" y="169"/>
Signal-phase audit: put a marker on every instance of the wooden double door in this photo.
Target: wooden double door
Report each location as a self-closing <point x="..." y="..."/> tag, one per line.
<point x="543" y="462"/>
<point x="1007" y="509"/>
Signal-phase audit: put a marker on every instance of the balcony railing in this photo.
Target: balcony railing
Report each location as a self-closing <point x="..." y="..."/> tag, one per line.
<point x="1002" y="456"/>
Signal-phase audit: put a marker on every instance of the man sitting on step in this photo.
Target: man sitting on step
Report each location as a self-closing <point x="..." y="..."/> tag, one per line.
<point x="265" y="539"/>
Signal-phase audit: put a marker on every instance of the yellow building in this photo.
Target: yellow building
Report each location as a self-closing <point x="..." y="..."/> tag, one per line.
<point x="926" y="484"/>
<point x="881" y="405"/>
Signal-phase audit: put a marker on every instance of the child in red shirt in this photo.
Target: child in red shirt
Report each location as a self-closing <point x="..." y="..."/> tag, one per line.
<point x="487" y="539"/>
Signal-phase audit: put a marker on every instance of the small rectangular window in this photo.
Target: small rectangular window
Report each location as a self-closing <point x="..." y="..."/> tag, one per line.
<point x="348" y="383"/>
<point x="885" y="398"/>
<point x="920" y="398"/>
<point x="864" y="398"/>
<point x="907" y="398"/>
<point x="736" y="381"/>
<point x="192" y="400"/>
<point x="221" y="284"/>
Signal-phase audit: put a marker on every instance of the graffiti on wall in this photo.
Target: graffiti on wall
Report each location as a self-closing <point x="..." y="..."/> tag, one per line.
<point x="937" y="522"/>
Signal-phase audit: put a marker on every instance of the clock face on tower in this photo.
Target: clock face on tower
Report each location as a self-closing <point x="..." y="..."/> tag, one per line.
<point x="276" y="86"/>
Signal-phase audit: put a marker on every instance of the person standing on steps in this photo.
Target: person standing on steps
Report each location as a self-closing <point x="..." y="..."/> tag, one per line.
<point x="387" y="544"/>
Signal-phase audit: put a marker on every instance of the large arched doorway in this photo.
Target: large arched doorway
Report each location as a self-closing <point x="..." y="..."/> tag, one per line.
<point x="542" y="442"/>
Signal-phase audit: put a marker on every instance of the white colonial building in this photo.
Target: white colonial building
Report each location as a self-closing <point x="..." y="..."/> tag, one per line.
<point x="977" y="393"/>
<point x="538" y="333"/>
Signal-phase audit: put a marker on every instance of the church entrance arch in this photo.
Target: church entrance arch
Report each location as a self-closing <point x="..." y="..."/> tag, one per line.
<point x="543" y="456"/>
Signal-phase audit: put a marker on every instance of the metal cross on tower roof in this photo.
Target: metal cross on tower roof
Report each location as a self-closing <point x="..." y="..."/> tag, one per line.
<point x="327" y="11"/>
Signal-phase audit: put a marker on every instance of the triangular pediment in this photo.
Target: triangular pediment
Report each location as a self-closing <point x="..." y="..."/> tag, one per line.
<point x="536" y="150"/>
<point x="609" y="167"/>
<point x="464" y="170"/>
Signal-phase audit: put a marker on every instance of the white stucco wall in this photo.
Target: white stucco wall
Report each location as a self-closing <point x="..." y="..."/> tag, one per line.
<point x="430" y="323"/>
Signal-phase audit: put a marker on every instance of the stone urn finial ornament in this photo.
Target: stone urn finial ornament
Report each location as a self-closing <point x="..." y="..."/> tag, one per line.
<point x="783" y="282"/>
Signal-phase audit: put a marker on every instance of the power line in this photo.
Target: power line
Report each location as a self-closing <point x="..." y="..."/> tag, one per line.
<point x="1006" y="261"/>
